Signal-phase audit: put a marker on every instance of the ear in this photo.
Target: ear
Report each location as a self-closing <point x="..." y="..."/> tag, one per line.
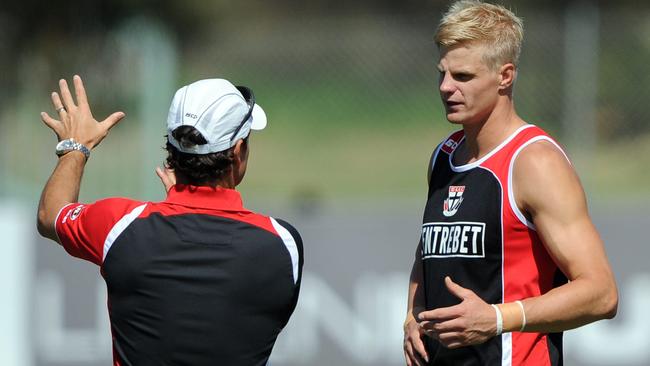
<point x="237" y="151"/>
<point x="507" y="75"/>
<point x="240" y="152"/>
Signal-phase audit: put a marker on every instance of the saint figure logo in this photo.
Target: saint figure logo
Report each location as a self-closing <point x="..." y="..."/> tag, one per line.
<point x="452" y="203"/>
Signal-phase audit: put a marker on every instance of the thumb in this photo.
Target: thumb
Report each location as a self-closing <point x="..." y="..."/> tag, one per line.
<point x="167" y="178"/>
<point x="49" y="121"/>
<point x="113" y="119"/>
<point x="457" y="290"/>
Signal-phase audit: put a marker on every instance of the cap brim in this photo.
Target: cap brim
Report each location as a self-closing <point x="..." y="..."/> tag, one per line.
<point x="259" y="118"/>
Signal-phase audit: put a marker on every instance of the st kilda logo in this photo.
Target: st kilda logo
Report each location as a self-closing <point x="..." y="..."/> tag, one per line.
<point x="452" y="203"/>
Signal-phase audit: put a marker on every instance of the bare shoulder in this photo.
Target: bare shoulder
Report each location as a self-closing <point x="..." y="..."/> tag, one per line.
<point x="543" y="155"/>
<point x="543" y="176"/>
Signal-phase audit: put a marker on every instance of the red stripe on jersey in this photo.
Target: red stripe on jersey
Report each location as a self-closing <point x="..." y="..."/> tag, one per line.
<point x="83" y="228"/>
<point x="171" y="209"/>
<point x="528" y="269"/>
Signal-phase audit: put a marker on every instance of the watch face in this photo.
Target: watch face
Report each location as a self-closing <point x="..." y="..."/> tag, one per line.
<point x="63" y="145"/>
<point x="68" y="145"/>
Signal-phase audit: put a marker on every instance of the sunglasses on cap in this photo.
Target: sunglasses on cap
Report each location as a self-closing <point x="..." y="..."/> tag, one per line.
<point x="249" y="97"/>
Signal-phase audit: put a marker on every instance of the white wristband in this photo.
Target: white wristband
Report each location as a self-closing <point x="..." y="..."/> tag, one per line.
<point x="499" y="320"/>
<point x="523" y="315"/>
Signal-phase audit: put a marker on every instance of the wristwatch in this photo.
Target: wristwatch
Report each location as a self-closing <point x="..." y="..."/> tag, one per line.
<point x="67" y="145"/>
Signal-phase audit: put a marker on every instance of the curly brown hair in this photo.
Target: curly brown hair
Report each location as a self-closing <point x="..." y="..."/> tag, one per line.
<point x="198" y="169"/>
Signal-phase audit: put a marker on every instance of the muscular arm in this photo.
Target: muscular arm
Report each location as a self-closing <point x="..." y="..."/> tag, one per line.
<point x="548" y="190"/>
<point x="75" y="121"/>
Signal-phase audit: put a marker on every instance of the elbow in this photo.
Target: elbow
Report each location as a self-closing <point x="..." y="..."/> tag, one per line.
<point x="44" y="225"/>
<point x="41" y="229"/>
<point x="40" y="222"/>
<point x="611" y="305"/>
<point x="609" y="302"/>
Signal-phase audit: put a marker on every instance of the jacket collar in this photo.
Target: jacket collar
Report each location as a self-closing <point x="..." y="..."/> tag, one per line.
<point x="205" y="197"/>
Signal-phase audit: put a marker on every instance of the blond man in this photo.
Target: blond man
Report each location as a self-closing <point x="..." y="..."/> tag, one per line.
<point x="509" y="257"/>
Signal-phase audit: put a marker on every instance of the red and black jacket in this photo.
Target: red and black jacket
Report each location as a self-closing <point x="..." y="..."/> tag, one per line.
<point x="193" y="280"/>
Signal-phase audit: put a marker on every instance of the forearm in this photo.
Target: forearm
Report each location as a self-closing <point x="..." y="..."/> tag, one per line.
<point x="61" y="189"/>
<point x="572" y="305"/>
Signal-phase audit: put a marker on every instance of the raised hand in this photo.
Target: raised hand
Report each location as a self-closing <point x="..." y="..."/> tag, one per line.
<point x="76" y="120"/>
<point x="473" y="321"/>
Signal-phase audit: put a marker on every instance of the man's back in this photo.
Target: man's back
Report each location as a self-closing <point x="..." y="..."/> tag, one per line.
<point x="193" y="280"/>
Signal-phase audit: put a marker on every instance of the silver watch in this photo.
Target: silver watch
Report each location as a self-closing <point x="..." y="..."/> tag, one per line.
<point x="67" y="145"/>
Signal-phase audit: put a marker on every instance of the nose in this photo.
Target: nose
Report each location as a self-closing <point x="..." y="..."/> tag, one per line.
<point x="445" y="83"/>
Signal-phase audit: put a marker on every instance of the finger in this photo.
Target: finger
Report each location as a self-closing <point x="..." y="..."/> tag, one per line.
<point x="58" y="104"/>
<point x="162" y="176"/>
<point x="450" y="340"/>
<point x="165" y="178"/>
<point x="426" y="329"/>
<point x="418" y="345"/>
<point x="411" y="357"/>
<point x="80" y="91"/>
<point x="457" y="290"/>
<point x="407" y="359"/>
<point x="426" y="325"/>
<point x="112" y="120"/>
<point x="408" y="353"/>
<point x="439" y="314"/>
<point x="49" y="121"/>
<point x="454" y="344"/>
<point x="454" y="325"/>
<point x="68" y="102"/>
<point x="171" y="174"/>
<point x="431" y="334"/>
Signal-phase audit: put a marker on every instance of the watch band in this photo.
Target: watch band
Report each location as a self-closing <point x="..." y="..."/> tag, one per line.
<point x="67" y="145"/>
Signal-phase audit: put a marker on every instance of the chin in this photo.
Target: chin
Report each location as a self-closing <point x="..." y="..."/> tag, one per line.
<point x="454" y="118"/>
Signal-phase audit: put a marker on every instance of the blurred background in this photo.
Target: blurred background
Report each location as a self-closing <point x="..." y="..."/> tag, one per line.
<point x="350" y="90"/>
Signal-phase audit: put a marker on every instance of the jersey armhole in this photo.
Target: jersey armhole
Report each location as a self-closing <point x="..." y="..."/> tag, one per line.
<point x="511" y="193"/>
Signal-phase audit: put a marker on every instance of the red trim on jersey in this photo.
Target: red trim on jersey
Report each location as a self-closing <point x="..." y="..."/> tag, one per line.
<point x="451" y="143"/>
<point x="83" y="228"/>
<point x="528" y="269"/>
<point x="217" y="201"/>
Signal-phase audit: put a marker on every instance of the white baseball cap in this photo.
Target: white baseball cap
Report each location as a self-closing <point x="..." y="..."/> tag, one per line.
<point x="220" y="111"/>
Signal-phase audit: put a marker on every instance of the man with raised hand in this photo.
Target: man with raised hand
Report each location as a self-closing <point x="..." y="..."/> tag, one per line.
<point x="196" y="279"/>
<point x="509" y="257"/>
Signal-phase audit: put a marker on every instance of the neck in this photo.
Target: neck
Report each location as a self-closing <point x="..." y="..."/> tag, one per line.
<point x="228" y="182"/>
<point x="483" y="137"/>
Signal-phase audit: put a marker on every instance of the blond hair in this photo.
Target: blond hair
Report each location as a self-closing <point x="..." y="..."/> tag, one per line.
<point x="492" y="26"/>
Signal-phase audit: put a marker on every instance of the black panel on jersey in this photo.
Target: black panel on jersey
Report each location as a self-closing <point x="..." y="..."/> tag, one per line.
<point x="554" y="340"/>
<point x="217" y="294"/>
<point x="301" y="258"/>
<point x="478" y="269"/>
